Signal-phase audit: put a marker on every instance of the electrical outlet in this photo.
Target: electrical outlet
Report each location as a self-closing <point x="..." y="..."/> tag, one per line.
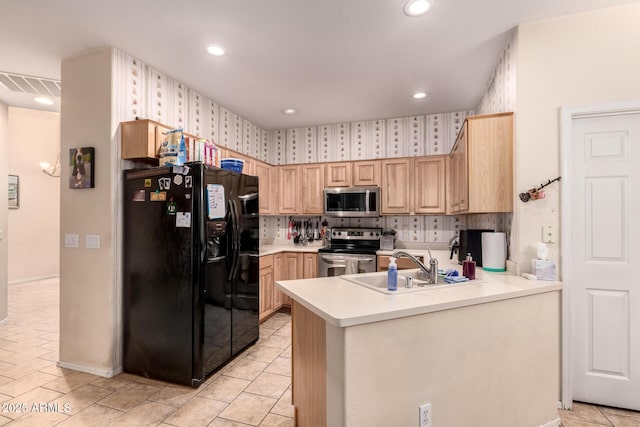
<point x="425" y="415"/>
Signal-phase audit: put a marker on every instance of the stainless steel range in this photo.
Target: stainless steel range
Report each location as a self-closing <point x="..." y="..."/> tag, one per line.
<point x="351" y="251"/>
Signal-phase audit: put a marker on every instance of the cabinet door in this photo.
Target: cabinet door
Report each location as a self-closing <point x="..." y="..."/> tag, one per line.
<point x="266" y="292"/>
<point x="265" y="281"/>
<point x="459" y="177"/>
<point x="490" y="163"/>
<point x="312" y="186"/>
<point x="310" y="265"/>
<point x="139" y="139"/>
<point x="429" y="185"/>
<point x="397" y="186"/>
<point x="288" y="189"/>
<point x="366" y="173"/>
<point x="268" y="183"/>
<point x="463" y="171"/>
<point x="293" y="269"/>
<point x="278" y="274"/>
<point x="338" y="174"/>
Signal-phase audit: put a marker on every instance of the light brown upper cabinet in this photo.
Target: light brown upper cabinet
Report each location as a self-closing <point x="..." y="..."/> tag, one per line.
<point x="429" y="185"/>
<point x="481" y="165"/>
<point x="312" y="185"/>
<point x="289" y="189"/>
<point x="141" y="139"/>
<point x="459" y="173"/>
<point x="338" y="174"/>
<point x="268" y="187"/>
<point x="397" y="186"/>
<point x="366" y="173"/>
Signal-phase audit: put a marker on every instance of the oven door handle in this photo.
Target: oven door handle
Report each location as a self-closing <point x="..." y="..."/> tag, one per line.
<point x="344" y="259"/>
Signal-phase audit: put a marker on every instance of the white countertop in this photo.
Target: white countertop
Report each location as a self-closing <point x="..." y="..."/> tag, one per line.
<point x="343" y="303"/>
<point x="290" y="247"/>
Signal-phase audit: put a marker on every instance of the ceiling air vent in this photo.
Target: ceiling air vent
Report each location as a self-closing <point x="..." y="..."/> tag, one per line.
<point x="29" y="84"/>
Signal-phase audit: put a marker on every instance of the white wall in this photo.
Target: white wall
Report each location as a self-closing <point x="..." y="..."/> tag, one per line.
<point x="581" y="59"/>
<point x="34" y="246"/>
<point x="88" y="293"/>
<point x="4" y="113"/>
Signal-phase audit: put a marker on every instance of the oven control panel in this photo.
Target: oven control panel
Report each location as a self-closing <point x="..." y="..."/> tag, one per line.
<point x="340" y="233"/>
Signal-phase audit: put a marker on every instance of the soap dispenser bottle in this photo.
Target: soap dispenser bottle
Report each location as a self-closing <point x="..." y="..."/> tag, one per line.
<point x="469" y="268"/>
<point x="392" y="275"/>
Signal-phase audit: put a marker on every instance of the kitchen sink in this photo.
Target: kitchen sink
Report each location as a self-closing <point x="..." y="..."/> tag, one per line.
<point x="378" y="282"/>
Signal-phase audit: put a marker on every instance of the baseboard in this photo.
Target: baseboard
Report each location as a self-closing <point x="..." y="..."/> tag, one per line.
<point x="554" y="423"/>
<point x="3" y="321"/>
<point x="33" y="279"/>
<point x="107" y="373"/>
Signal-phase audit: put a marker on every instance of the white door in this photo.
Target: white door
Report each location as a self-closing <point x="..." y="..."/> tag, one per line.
<point x="605" y="259"/>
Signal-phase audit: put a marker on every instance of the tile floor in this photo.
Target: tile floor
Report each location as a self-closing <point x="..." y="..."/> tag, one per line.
<point x="253" y="390"/>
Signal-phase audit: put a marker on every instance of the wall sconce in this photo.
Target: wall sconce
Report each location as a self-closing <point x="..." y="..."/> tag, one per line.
<point x="54" y="170"/>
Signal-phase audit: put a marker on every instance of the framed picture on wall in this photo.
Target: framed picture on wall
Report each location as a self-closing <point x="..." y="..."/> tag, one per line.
<point x="14" y="192"/>
<point x="81" y="162"/>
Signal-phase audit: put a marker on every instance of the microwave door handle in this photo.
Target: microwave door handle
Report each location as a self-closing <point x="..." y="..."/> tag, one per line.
<point x="366" y="200"/>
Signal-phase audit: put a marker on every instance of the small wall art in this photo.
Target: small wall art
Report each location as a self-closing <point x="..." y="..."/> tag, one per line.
<point x="14" y="192"/>
<point x="82" y="161"/>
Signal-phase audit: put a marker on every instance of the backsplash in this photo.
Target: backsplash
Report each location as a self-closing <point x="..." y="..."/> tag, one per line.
<point x="415" y="229"/>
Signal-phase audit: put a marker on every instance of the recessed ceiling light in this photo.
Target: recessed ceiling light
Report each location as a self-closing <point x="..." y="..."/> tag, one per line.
<point x="289" y="111"/>
<point x="215" y="49"/>
<point x="43" y="101"/>
<point x="419" y="95"/>
<point x="417" y="7"/>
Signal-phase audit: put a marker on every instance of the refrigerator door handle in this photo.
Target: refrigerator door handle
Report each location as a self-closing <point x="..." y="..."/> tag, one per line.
<point x="236" y="234"/>
<point x="234" y="255"/>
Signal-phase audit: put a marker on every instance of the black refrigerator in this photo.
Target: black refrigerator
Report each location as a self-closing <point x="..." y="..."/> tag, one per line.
<point x="190" y="270"/>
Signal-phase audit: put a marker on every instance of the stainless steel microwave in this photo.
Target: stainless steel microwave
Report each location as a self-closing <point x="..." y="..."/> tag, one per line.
<point x="352" y="201"/>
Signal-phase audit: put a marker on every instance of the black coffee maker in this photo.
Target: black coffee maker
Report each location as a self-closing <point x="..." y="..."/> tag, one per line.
<point x="470" y="241"/>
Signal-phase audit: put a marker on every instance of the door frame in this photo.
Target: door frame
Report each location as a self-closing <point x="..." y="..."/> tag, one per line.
<point x="567" y="115"/>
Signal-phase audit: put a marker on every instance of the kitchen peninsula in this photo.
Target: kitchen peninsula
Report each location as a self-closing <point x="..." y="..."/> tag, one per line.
<point x="481" y="354"/>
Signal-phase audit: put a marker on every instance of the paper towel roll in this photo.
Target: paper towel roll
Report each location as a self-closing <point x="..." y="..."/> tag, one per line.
<point x="494" y="251"/>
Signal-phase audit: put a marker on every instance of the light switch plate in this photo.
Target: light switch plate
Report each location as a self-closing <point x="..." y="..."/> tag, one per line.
<point x="71" y="240"/>
<point x="92" y="241"/>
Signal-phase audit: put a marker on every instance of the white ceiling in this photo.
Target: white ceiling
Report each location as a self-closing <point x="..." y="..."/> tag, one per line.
<point x="334" y="60"/>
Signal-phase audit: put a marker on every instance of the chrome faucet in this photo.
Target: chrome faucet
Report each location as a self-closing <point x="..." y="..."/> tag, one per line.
<point x="430" y="273"/>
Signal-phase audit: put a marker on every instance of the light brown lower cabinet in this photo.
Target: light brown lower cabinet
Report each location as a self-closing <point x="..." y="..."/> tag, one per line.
<point x="282" y="266"/>
<point x="266" y="286"/>
<point x="309" y="367"/>
<point x="402" y="263"/>
<point x="310" y="268"/>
